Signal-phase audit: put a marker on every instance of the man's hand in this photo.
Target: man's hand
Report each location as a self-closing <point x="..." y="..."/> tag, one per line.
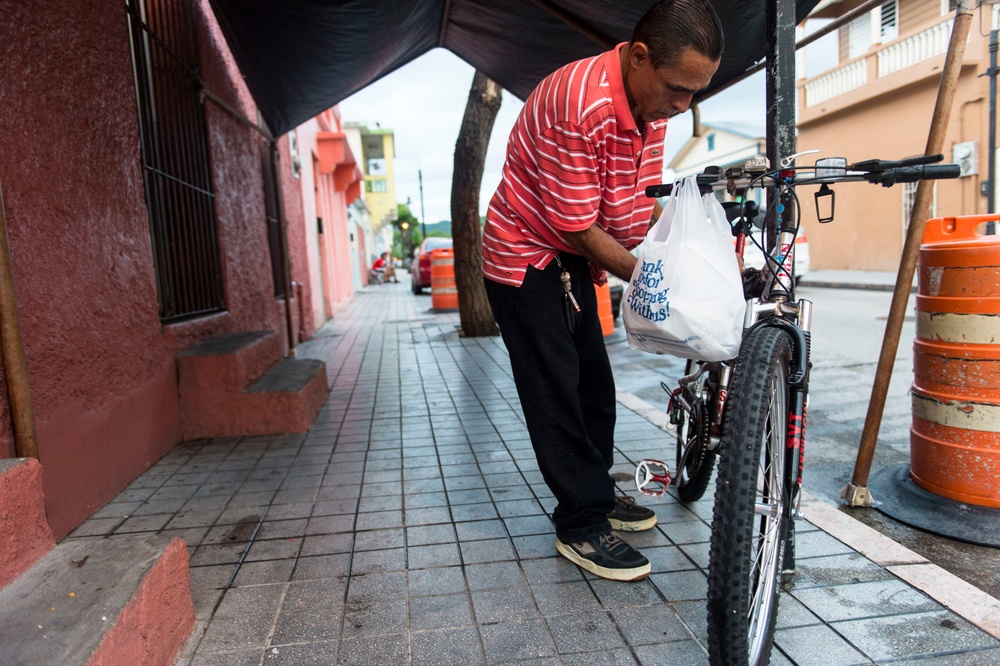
<point x="602" y="250"/>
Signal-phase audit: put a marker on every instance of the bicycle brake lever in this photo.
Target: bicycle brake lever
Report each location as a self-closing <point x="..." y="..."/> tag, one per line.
<point x="786" y="162"/>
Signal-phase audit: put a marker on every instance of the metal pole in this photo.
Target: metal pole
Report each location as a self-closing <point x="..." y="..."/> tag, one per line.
<point x="991" y="154"/>
<point x="779" y="43"/>
<point x="856" y="492"/>
<point x="423" y="227"/>
<point x="286" y="273"/>
<point x="15" y="367"/>
<point x="779" y="38"/>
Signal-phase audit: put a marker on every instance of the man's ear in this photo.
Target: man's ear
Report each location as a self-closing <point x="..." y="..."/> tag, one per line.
<point x="639" y="52"/>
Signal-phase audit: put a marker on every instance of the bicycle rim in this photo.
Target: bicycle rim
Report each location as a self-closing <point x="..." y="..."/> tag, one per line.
<point x="750" y="518"/>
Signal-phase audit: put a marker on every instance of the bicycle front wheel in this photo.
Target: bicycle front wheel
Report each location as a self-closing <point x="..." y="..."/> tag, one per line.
<point x="751" y="515"/>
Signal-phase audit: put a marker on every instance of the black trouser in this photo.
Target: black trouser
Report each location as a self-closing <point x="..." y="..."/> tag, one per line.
<point x="567" y="390"/>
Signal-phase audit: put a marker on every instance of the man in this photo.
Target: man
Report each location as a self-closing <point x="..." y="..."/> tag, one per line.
<point x="383" y="268"/>
<point x="569" y="207"/>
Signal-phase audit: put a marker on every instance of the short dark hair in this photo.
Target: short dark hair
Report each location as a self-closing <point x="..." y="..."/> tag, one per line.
<point x="670" y="26"/>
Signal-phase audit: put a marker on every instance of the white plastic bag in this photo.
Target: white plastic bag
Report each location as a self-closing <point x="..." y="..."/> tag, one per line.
<point x="685" y="297"/>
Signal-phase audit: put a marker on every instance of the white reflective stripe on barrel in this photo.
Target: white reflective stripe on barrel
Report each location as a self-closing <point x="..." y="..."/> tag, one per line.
<point x="976" y="329"/>
<point x="964" y="415"/>
<point x="445" y="290"/>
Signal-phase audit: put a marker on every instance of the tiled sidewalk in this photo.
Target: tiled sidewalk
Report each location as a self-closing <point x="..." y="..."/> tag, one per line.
<point x="409" y="526"/>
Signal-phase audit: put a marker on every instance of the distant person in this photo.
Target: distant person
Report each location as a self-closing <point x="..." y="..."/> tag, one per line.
<point x="569" y="207"/>
<point x="383" y="269"/>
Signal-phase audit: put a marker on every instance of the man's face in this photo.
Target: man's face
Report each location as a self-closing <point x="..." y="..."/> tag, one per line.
<point x="659" y="93"/>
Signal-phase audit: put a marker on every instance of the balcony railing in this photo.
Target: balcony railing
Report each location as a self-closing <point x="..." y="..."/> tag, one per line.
<point x="916" y="48"/>
<point x="890" y="59"/>
<point x="839" y="81"/>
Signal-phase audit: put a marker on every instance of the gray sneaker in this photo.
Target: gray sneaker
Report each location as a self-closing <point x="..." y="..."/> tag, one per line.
<point x="608" y="556"/>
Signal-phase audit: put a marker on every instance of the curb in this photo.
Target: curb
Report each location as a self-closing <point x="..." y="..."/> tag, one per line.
<point x="866" y="286"/>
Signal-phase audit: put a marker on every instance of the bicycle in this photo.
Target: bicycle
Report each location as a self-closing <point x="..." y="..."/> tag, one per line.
<point x="750" y="412"/>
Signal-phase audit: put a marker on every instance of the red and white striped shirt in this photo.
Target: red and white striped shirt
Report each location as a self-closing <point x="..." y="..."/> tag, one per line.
<point x="574" y="158"/>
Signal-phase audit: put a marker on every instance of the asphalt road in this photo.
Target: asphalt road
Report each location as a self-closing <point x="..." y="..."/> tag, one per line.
<point x="848" y="328"/>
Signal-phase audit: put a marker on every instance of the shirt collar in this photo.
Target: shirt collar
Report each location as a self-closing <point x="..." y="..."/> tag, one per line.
<point x="613" y="68"/>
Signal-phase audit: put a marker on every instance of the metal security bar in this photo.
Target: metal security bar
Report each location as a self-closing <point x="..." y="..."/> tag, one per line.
<point x="175" y="157"/>
<point x="273" y="222"/>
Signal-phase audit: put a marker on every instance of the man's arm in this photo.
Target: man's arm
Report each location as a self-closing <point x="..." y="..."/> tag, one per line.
<point x="602" y="250"/>
<point x="657" y="211"/>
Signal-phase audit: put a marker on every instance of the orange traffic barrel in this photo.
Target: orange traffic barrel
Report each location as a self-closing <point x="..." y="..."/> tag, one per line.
<point x="444" y="293"/>
<point x="955" y="433"/>
<point x="604" y="309"/>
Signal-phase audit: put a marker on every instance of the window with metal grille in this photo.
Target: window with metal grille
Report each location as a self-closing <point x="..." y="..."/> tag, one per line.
<point x="175" y="158"/>
<point x="909" y="198"/>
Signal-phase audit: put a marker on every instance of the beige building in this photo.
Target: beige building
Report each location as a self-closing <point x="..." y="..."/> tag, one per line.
<point x="877" y="102"/>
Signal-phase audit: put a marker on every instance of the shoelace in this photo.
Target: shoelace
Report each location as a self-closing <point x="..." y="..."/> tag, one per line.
<point x="613" y="543"/>
<point x="626" y="500"/>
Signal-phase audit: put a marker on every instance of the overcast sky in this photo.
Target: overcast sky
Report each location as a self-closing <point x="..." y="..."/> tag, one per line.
<point x="423" y="103"/>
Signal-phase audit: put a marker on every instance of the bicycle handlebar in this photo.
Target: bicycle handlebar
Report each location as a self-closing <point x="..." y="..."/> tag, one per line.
<point x="884" y="172"/>
<point x="883" y="165"/>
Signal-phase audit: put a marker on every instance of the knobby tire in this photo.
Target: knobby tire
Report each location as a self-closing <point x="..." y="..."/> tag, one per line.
<point x="750" y="516"/>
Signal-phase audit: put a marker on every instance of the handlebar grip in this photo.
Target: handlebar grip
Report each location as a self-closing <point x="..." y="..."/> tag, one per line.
<point x="939" y="171"/>
<point x="912" y="174"/>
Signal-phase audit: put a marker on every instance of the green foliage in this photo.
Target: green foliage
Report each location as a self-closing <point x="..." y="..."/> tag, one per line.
<point x="404" y="241"/>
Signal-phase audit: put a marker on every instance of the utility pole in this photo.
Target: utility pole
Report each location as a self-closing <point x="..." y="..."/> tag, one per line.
<point x="423" y="227"/>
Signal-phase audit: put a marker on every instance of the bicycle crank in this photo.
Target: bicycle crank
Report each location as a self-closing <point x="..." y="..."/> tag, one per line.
<point x="652" y="478"/>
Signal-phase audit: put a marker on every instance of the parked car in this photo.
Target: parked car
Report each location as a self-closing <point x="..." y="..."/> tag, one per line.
<point x="420" y="265"/>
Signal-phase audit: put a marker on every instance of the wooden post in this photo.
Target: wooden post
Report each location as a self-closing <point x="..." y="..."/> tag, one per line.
<point x="856" y="492"/>
<point x="14" y="366"/>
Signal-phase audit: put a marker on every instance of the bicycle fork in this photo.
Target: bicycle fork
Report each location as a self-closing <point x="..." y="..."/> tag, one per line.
<point x="795" y="433"/>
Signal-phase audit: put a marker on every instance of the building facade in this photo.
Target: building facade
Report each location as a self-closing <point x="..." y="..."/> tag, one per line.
<point x="144" y="206"/>
<point x="877" y="102"/>
<point x="331" y="181"/>
<point x="377" y="150"/>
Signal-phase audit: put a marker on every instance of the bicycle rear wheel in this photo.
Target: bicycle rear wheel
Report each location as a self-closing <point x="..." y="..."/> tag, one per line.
<point x="751" y="515"/>
<point x="694" y="461"/>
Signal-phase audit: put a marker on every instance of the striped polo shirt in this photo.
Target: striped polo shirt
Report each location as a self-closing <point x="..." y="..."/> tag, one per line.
<point x="574" y="158"/>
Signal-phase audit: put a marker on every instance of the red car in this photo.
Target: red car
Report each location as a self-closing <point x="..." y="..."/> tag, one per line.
<point x="420" y="265"/>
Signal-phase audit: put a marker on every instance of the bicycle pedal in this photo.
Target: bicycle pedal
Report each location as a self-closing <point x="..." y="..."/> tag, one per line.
<point x="652" y="478"/>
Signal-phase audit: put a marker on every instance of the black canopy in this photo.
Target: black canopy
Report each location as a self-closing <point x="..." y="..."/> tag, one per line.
<point x="301" y="57"/>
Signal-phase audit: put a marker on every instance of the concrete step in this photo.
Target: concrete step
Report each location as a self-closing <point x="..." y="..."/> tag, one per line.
<point x="24" y="531"/>
<point x="97" y="602"/>
<point x="232" y="360"/>
<point x="285" y="398"/>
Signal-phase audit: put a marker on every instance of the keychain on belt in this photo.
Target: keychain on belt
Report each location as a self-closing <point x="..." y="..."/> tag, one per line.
<point x="569" y="299"/>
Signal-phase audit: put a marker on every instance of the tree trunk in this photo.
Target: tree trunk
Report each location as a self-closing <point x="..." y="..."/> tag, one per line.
<point x="470" y="156"/>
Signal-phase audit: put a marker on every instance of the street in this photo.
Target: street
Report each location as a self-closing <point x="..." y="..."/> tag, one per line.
<point x="848" y="327"/>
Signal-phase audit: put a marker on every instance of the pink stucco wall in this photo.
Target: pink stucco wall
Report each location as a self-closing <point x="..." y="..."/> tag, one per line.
<point x="101" y="367"/>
